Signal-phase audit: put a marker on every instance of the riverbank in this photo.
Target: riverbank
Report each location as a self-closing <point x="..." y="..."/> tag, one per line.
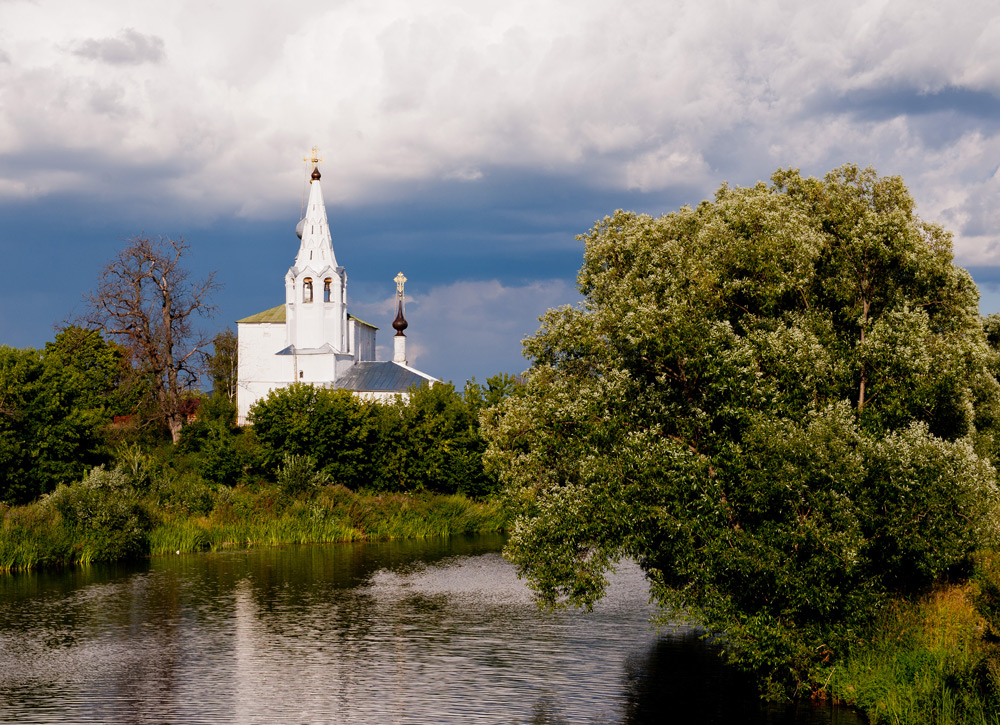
<point x="106" y="519"/>
<point x="334" y="514"/>
<point x="933" y="660"/>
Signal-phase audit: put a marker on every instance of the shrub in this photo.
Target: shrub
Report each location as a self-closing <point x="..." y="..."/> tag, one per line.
<point x="332" y="424"/>
<point x="299" y="474"/>
<point x="105" y="512"/>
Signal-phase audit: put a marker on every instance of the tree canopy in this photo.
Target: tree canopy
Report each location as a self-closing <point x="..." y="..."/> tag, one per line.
<point x="781" y="403"/>
<point x="55" y="406"/>
<point x="427" y="440"/>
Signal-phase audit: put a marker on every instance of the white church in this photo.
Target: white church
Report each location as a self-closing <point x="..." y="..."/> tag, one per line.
<point x="312" y="338"/>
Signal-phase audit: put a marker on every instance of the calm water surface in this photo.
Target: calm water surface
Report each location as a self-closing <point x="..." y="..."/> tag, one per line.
<point x="401" y="632"/>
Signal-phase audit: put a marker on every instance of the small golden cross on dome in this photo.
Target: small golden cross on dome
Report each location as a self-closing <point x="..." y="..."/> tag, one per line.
<point x="314" y="159"/>
<point x="400" y="280"/>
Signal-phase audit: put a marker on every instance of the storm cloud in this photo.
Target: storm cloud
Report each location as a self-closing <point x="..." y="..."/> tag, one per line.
<point x="470" y="143"/>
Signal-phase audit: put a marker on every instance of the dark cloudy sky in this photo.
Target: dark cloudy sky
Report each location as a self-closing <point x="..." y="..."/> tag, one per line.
<point x="464" y="143"/>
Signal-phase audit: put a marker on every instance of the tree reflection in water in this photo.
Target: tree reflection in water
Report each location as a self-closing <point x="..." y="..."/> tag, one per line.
<point x="682" y="678"/>
<point x="408" y="632"/>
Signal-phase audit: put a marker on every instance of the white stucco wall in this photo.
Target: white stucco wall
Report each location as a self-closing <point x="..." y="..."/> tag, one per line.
<point x="259" y="368"/>
<point x="362" y="340"/>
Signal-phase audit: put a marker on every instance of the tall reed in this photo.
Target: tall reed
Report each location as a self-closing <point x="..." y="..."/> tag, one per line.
<point x="258" y="515"/>
<point x="926" y="662"/>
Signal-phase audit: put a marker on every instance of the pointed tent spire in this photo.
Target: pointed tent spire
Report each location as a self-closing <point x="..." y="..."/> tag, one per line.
<point x="316" y="248"/>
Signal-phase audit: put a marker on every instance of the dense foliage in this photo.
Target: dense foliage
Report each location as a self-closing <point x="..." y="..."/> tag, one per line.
<point x="280" y="481"/>
<point x="154" y="504"/>
<point x="58" y="408"/>
<point x="55" y="405"/>
<point x="781" y="403"/>
<point x="428" y="442"/>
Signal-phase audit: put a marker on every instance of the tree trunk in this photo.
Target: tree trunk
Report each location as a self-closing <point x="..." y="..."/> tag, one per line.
<point x="865" y="306"/>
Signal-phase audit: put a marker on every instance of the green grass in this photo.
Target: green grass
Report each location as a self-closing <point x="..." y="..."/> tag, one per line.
<point x="31" y="536"/>
<point x="197" y="519"/>
<point x="262" y="516"/>
<point x="932" y="662"/>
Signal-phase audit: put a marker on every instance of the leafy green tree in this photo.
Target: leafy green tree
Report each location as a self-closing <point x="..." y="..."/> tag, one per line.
<point x="96" y="370"/>
<point x="21" y="373"/>
<point x="222" y="364"/>
<point x="333" y="426"/>
<point x="431" y="442"/>
<point x="479" y="397"/>
<point x="780" y="403"/>
<point x="55" y="406"/>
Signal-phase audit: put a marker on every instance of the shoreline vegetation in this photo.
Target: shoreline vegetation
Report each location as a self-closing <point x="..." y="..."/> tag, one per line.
<point x="934" y="659"/>
<point x="316" y="466"/>
<point x="104" y="520"/>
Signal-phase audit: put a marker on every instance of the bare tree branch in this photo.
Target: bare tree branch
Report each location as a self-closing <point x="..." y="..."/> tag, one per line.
<point x="145" y="301"/>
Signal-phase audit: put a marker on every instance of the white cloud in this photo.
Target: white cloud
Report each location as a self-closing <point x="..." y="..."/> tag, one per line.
<point x="152" y="100"/>
<point x="468" y="328"/>
<point x="665" y="165"/>
<point x="129" y="47"/>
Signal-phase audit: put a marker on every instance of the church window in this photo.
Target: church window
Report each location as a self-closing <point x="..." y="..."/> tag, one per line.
<point x="307" y="290"/>
<point x="326" y="289"/>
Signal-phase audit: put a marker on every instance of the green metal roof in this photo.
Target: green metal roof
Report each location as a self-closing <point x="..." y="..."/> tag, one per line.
<point x="275" y="314"/>
<point x="358" y="319"/>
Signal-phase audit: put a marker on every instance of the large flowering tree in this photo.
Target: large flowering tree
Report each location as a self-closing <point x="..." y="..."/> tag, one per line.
<point x="781" y="403"/>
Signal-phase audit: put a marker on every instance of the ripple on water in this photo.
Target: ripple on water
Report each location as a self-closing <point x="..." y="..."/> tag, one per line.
<point x="347" y="634"/>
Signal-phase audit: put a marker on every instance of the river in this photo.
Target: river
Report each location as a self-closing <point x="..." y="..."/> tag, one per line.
<point x="430" y="631"/>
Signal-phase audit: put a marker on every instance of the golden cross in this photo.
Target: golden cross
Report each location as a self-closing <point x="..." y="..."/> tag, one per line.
<point x="315" y="156"/>
<point x="400" y="280"/>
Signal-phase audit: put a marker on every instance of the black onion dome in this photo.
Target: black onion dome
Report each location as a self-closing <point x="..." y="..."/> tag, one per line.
<point x="315" y="174"/>
<point x="399" y="324"/>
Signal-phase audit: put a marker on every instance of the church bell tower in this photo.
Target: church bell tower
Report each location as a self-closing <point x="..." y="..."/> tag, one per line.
<point x="315" y="286"/>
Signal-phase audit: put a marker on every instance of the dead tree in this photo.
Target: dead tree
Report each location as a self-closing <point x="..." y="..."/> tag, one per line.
<point x="145" y="301"/>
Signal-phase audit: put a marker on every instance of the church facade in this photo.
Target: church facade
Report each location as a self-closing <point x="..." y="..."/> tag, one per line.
<point x="311" y="337"/>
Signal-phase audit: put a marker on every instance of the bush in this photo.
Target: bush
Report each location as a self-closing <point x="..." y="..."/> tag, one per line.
<point x="220" y="460"/>
<point x="104" y="510"/>
<point x="431" y="442"/>
<point x="428" y="442"/>
<point x="333" y="425"/>
<point x="299" y="474"/>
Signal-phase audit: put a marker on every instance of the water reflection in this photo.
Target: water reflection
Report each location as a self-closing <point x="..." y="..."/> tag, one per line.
<point x="407" y="632"/>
